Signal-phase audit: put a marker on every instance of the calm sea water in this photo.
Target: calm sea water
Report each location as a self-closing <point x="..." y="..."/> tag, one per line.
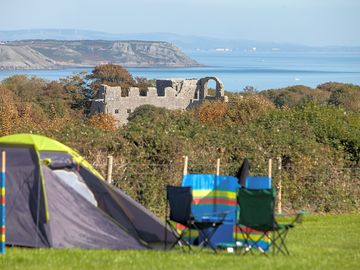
<point x="240" y="69"/>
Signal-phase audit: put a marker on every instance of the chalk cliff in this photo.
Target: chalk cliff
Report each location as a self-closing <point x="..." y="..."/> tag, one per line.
<point x="49" y="54"/>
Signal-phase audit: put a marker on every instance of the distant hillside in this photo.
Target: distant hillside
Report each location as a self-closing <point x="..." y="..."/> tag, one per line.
<point x="184" y="42"/>
<point x="23" y="57"/>
<point x="48" y="54"/>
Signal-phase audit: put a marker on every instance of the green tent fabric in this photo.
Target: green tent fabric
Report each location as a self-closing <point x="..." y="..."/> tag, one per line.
<point x="42" y="143"/>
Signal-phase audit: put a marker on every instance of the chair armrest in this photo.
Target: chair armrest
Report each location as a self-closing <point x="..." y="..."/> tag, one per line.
<point x="220" y="215"/>
<point x="298" y="217"/>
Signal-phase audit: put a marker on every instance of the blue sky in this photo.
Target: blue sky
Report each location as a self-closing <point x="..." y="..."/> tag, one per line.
<point x="311" y="22"/>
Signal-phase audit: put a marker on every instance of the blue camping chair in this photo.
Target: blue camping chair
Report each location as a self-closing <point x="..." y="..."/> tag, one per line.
<point x="180" y="200"/>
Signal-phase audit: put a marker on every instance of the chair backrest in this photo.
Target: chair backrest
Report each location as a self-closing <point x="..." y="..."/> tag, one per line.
<point x="180" y="199"/>
<point x="256" y="207"/>
<point x="258" y="182"/>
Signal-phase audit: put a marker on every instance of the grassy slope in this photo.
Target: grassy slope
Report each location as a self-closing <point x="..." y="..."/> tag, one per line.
<point x="321" y="242"/>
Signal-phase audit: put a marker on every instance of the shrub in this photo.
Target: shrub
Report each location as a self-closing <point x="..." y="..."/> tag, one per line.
<point x="103" y="121"/>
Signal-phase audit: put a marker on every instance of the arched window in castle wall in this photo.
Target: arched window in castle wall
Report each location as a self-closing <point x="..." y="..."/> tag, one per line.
<point x="209" y="87"/>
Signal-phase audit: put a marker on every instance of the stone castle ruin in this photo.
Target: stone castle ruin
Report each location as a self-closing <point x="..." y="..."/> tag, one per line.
<point x="171" y="94"/>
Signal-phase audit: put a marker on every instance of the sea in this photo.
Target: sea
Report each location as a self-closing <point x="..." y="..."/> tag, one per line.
<point x="237" y="70"/>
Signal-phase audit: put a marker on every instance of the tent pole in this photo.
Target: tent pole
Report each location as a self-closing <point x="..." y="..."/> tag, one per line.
<point x="2" y="202"/>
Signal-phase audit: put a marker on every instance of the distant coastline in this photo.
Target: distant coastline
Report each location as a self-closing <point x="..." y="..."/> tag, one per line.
<point x="92" y="66"/>
<point x="60" y="54"/>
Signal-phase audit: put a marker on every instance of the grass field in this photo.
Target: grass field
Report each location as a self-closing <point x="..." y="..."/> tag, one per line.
<point x="321" y="242"/>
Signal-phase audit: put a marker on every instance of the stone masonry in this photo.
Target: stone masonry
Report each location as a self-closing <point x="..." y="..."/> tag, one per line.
<point x="171" y="94"/>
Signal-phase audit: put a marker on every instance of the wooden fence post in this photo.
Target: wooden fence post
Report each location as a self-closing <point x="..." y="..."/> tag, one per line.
<point x="279" y="187"/>
<point x="218" y="166"/>
<point x="109" y="169"/>
<point x="185" y="169"/>
<point x="270" y="168"/>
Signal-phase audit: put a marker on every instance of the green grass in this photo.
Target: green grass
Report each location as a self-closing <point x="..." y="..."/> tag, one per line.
<point x="321" y="242"/>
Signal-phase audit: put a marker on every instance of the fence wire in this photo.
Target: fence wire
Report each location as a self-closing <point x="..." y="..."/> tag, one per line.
<point x="318" y="189"/>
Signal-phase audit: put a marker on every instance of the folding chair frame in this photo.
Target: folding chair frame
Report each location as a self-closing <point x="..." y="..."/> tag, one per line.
<point x="276" y="235"/>
<point x="207" y="234"/>
<point x="206" y="231"/>
<point x="179" y="237"/>
<point x="249" y="243"/>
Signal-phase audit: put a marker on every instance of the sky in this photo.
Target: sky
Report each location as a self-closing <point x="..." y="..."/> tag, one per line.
<point x="308" y="22"/>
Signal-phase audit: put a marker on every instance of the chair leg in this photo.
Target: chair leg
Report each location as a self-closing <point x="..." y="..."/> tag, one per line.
<point x="256" y="243"/>
<point x="179" y="238"/>
<point x="273" y="240"/>
<point x="207" y="239"/>
<point x="182" y="243"/>
<point x="249" y="243"/>
<point x="245" y="245"/>
<point x="281" y="236"/>
<point x="283" y="239"/>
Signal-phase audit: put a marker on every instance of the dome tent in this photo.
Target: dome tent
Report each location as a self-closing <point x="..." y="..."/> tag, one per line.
<point x="47" y="209"/>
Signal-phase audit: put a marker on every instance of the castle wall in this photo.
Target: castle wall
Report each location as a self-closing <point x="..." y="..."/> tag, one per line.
<point x="120" y="107"/>
<point x="171" y="94"/>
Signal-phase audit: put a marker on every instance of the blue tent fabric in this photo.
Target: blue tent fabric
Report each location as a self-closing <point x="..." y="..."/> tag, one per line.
<point x="213" y="195"/>
<point x="216" y="194"/>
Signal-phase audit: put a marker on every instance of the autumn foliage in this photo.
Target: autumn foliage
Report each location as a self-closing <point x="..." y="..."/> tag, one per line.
<point x="103" y="121"/>
<point x="212" y="112"/>
<point x="110" y="74"/>
<point x="8" y="111"/>
<point x="241" y="109"/>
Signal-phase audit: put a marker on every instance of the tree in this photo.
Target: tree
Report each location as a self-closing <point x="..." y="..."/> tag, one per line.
<point x="26" y="88"/>
<point x="110" y="74"/>
<point x="294" y="95"/>
<point x="77" y="87"/>
<point x="249" y="89"/>
<point x="143" y="84"/>
<point x="343" y="95"/>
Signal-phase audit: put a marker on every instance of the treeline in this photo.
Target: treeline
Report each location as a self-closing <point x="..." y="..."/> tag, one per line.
<point x="316" y="132"/>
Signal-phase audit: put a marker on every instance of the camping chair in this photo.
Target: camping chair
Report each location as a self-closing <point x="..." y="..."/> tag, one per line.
<point x="257" y="214"/>
<point x="180" y="200"/>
